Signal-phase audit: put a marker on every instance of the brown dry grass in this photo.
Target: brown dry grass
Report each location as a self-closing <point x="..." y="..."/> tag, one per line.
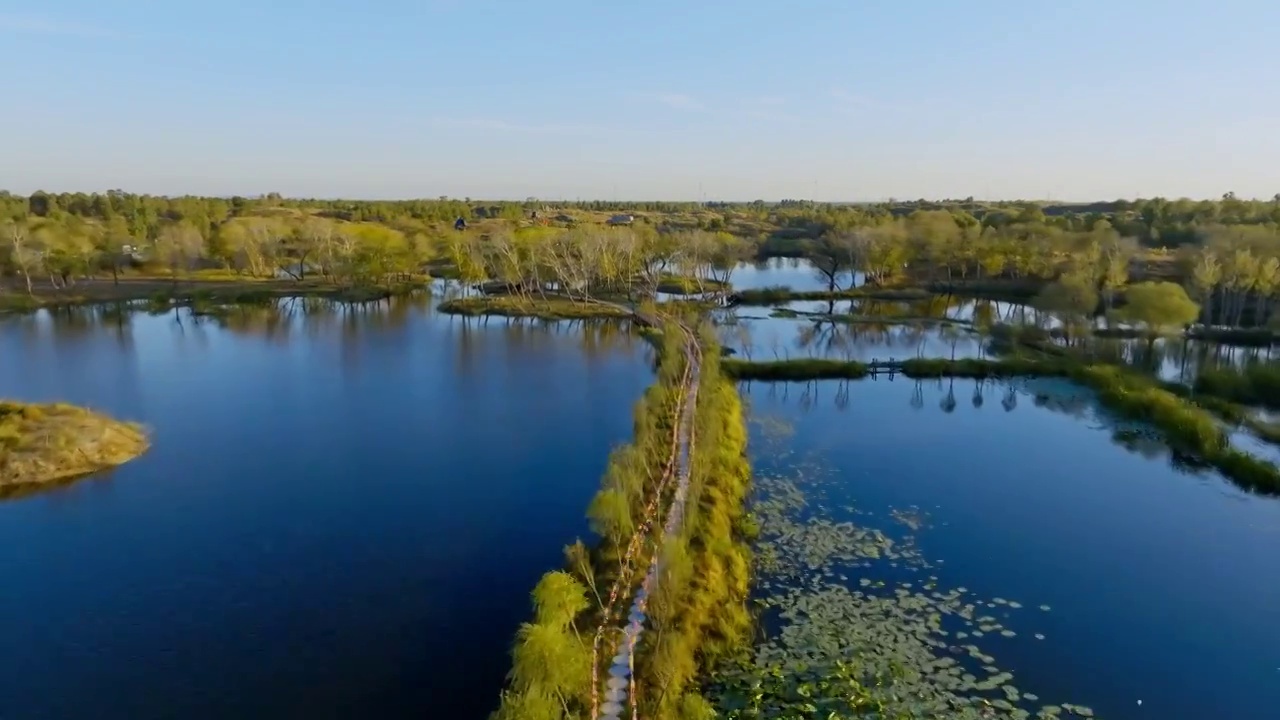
<point x="45" y="443"/>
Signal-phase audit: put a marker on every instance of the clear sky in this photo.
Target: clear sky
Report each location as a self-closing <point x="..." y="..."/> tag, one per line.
<point x="660" y="99"/>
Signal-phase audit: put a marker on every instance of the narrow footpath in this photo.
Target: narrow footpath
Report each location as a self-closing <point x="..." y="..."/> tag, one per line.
<point x="620" y="685"/>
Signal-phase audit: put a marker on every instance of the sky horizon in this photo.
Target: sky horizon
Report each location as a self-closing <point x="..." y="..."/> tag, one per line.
<point x="719" y="100"/>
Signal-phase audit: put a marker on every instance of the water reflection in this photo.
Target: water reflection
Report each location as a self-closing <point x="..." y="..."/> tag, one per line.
<point x="1033" y="505"/>
<point x="279" y="321"/>
<point x="782" y="338"/>
<point x="795" y="273"/>
<point x="956" y="396"/>
<point x="337" y="494"/>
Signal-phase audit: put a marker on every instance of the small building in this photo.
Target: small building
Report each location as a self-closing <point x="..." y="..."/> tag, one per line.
<point x="620" y="220"/>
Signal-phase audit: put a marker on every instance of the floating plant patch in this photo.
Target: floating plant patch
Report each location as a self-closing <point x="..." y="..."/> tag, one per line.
<point x="847" y="636"/>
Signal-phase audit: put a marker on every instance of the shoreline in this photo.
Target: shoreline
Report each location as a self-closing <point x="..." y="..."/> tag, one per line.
<point x="98" y="291"/>
<point x="44" y="444"/>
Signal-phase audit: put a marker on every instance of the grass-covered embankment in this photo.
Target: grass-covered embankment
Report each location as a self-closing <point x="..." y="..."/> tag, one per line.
<point x="204" y="290"/>
<point x="820" y="369"/>
<point x="548" y="308"/>
<point x="779" y="294"/>
<point x="684" y="285"/>
<point x="1010" y="291"/>
<point x="1187" y="423"/>
<point x="699" y="615"/>
<point x="1252" y="384"/>
<point x="46" y="443"/>
<point x="551" y="672"/>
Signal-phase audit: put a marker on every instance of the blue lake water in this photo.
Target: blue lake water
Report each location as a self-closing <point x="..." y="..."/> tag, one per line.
<point x="346" y="508"/>
<point x="342" y="514"/>
<point x="1164" y="586"/>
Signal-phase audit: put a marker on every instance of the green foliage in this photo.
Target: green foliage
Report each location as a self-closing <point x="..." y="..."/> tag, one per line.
<point x="798" y="369"/>
<point x="544" y="308"/>
<point x="610" y="515"/>
<point x="532" y="703"/>
<point x="996" y="250"/>
<point x="558" y="599"/>
<point x="1071" y="296"/>
<point x="700" y="614"/>
<point x="1253" y="384"/>
<point x="1158" y="305"/>
<point x="552" y="655"/>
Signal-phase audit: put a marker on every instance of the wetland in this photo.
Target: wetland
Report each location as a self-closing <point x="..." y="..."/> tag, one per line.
<point x="1014" y="494"/>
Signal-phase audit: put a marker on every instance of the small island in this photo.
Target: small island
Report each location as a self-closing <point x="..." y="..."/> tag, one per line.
<point x="44" y="443"/>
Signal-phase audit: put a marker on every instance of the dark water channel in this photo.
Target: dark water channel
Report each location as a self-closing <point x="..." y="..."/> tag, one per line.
<point x="1161" y="587"/>
<point x="342" y="515"/>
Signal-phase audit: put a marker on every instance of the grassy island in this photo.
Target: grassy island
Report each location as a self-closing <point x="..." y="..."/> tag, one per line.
<point x="42" y="443"/>
<point x="548" y="308"/>
<point x="202" y="289"/>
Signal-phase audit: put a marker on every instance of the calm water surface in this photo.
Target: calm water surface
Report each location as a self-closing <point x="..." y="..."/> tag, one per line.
<point x="342" y="515"/>
<point x="1164" y="586"/>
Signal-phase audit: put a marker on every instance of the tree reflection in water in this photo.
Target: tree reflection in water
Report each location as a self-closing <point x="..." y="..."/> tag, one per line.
<point x="1055" y="395"/>
<point x="279" y="320"/>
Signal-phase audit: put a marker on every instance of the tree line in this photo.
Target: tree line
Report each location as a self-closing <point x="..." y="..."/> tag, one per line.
<point x="1231" y="263"/>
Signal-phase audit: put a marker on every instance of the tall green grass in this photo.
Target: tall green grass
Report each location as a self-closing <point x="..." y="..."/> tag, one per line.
<point x="1255" y="383"/>
<point x="699" y="614"/>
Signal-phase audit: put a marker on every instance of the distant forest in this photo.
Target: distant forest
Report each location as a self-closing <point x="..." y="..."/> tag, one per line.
<point x="1225" y="252"/>
<point x="1154" y="222"/>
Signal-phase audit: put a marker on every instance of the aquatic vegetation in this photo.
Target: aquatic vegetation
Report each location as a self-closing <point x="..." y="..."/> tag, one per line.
<point x="46" y="443"/>
<point x="550" y="308"/>
<point x="685" y="285"/>
<point x="844" y="635"/>
<point x="781" y="294"/>
<point x="1254" y="384"/>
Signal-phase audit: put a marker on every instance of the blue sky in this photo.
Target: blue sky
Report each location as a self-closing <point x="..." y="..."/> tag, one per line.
<point x="570" y="99"/>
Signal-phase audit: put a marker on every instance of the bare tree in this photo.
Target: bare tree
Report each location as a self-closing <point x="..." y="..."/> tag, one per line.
<point x="178" y="246"/>
<point x="24" y="257"/>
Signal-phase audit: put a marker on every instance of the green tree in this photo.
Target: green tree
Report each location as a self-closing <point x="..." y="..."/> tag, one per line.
<point x="578" y="558"/>
<point x="1158" y="306"/>
<point x="113" y="245"/>
<point x="558" y="598"/>
<point x="551" y="659"/>
<point x="610" y="516"/>
<point x="1206" y="273"/>
<point x="1071" y="298"/>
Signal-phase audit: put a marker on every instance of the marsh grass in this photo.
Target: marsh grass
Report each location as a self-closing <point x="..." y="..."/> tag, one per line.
<point x="683" y="285"/>
<point x="778" y="294"/>
<point x="1255" y="383"/>
<point x="551" y="308"/>
<point x="206" y="290"/>
<point x="55" y="442"/>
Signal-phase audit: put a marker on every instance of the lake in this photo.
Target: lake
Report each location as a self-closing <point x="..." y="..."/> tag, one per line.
<point x="1133" y="580"/>
<point x="346" y="508"/>
<point x="343" y="513"/>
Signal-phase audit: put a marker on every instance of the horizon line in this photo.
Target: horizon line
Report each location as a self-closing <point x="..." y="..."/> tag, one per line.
<point x="620" y="201"/>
